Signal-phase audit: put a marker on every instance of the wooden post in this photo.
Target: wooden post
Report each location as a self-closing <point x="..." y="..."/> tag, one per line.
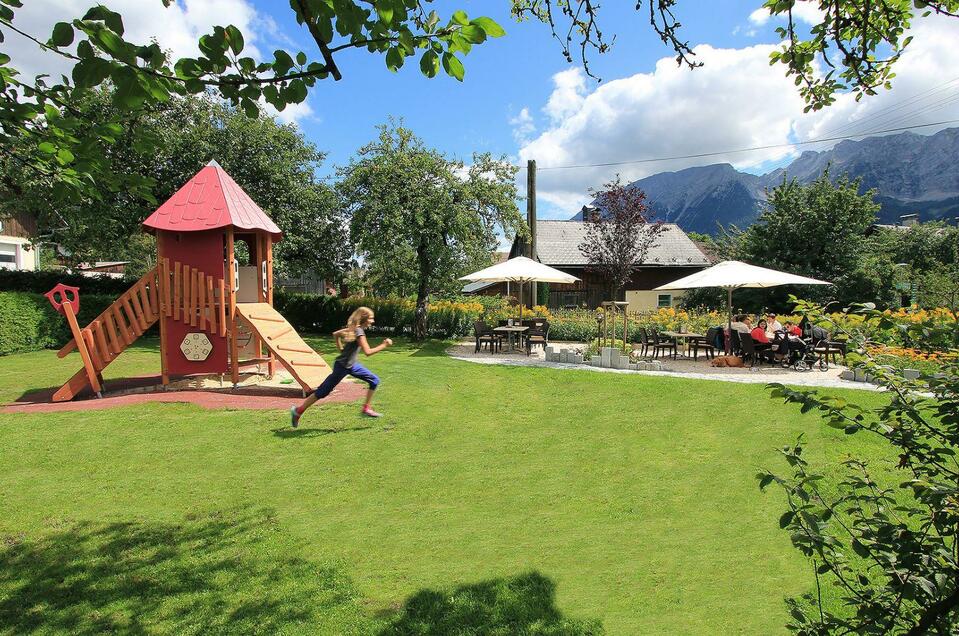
<point x="260" y="294"/>
<point x="92" y="375"/>
<point x="271" y="365"/>
<point x="234" y="345"/>
<point x="531" y="220"/>
<point x="177" y="289"/>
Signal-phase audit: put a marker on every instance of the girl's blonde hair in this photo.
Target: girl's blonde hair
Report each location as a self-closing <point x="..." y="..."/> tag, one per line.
<point x="356" y="319"/>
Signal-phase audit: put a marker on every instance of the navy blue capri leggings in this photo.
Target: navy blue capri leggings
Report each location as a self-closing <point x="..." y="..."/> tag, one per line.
<point x="358" y="371"/>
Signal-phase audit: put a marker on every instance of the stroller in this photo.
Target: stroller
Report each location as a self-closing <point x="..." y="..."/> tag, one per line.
<point x="801" y="352"/>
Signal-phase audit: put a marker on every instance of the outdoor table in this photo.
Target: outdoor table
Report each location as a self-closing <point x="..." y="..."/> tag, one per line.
<point x="685" y="336"/>
<point x="509" y="331"/>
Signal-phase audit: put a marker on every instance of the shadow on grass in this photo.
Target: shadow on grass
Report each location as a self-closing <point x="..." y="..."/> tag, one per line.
<point x="523" y="604"/>
<point x="228" y="573"/>
<point x="294" y="433"/>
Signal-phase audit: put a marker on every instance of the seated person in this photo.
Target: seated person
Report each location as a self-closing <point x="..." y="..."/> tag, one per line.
<point x="773" y="324"/>
<point x="739" y="323"/>
<point x="793" y="330"/>
<point x="759" y="333"/>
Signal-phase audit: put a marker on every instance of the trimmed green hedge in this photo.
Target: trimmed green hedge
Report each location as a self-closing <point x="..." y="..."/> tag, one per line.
<point x="325" y="314"/>
<point x="29" y="323"/>
<point x="43" y="281"/>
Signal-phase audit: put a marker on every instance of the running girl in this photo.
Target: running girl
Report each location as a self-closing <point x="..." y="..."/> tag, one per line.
<point x="349" y="341"/>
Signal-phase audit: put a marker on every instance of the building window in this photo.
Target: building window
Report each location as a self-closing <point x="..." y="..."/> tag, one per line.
<point x="665" y="300"/>
<point x="8" y="256"/>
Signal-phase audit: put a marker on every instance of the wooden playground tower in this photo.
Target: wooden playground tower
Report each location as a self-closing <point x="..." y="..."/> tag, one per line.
<point x="215" y="313"/>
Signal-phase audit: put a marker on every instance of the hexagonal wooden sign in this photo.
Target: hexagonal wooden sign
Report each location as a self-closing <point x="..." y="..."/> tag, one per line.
<point x="196" y="346"/>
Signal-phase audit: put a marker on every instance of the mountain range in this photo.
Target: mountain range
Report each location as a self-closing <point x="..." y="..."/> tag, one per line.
<point x="911" y="174"/>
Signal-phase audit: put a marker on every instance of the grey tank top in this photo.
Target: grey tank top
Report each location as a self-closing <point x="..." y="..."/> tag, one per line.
<point x="350" y="350"/>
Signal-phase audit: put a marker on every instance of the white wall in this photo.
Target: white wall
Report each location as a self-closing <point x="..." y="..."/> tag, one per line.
<point x="15" y="255"/>
<point x="647" y="299"/>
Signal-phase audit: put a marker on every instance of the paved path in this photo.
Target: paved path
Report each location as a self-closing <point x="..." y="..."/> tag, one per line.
<point x="759" y="375"/>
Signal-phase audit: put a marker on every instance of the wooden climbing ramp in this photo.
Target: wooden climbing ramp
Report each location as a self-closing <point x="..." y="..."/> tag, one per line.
<point x="305" y="364"/>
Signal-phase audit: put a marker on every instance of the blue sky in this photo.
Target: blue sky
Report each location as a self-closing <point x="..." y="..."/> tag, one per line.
<point x="503" y="76"/>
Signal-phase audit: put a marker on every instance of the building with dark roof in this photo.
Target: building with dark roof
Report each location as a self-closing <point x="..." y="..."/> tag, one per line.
<point x="672" y="256"/>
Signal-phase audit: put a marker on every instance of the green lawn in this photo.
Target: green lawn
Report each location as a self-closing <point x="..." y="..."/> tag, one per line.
<point x="488" y="500"/>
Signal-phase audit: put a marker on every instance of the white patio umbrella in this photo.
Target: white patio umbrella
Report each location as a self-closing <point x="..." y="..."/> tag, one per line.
<point x="732" y="275"/>
<point x="520" y="270"/>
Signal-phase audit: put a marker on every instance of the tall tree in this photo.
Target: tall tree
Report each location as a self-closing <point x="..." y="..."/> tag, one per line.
<point x="273" y="163"/>
<point x="425" y="218"/>
<point x="816" y="230"/>
<point x="619" y="233"/>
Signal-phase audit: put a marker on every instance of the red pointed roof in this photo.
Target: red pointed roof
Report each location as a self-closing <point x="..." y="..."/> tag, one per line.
<point x="209" y="200"/>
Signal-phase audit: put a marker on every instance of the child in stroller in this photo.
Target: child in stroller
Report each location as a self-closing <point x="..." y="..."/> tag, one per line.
<point x="799" y="352"/>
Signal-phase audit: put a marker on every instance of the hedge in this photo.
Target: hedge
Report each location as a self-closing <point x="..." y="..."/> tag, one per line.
<point x="43" y="281"/>
<point x="325" y="314"/>
<point x="29" y="323"/>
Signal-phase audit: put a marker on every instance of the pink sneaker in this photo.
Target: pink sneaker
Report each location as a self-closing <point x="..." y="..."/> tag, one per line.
<point x="367" y="411"/>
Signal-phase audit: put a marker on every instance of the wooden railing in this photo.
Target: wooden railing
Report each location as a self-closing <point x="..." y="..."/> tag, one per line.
<point x="179" y="291"/>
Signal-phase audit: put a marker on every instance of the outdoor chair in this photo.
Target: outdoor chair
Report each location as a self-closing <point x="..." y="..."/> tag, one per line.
<point x="485" y="335"/>
<point x="643" y="343"/>
<point x="827" y="348"/>
<point x="735" y="342"/>
<point x="664" y="345"/>
<point x="537" y="335"/>
<point x="705" y="344"/>
<point x="755" y="354"/>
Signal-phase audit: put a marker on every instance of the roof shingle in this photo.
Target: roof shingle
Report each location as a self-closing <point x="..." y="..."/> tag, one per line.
<point x="211" y="199"/>
<point x="557" y="243"/>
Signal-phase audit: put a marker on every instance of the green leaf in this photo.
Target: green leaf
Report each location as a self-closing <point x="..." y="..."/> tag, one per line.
<point x="473" y="33"/>
<point x="283" y="62"/>
<point x="235" y="39"/>
<point x="64" y="156"/>
<point x="489" y="26"/>
<point x="62" y="34"/>
<point x="90" y="72"/>
<point x="301" y="58"/>
<point x="112" y="19"/>
<point x="430" y="63"/>
<point x="453" y="66"/>
<point x="459" y="17"/>
<point x="47" y="147"/>
<point x="786" y="518"/>
<point x="384" y="9"/>
<point x="394" y="59"/>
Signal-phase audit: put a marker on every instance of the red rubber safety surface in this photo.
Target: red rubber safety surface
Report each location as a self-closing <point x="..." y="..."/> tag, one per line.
<point x="253" y="398"/>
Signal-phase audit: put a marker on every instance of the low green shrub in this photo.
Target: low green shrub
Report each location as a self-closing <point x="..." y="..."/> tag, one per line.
<point x="29" y="323"/>
<point x="325" y="314"/>
<point x="43" y="281"/>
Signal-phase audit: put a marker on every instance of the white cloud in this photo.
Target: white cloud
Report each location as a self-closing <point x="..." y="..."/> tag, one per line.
<point x="523" y="126"/>
<point x="760" y="16"/>
<point x="569" y="90"/>
<point x="734" y="101"/>
<point x="176" y="29"/>
<point x="737" y="100"/>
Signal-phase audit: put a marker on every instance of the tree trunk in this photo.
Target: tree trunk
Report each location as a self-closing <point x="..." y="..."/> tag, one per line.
<point x="422" y="295"/>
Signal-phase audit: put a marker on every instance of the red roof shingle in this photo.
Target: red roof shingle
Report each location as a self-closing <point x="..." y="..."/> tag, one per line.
<point x="210" y="200"/>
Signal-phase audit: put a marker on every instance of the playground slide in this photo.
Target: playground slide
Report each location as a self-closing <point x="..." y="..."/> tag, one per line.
<point x="278" y="335"/>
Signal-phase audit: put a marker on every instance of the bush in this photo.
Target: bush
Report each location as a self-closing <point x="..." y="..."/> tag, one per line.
<point x="325" y="314"/>
<point x="43" y="281"/>
<point x="29" y="323"/>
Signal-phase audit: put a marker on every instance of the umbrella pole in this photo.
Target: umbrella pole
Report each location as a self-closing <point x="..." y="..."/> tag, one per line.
<point x="729" y="310"/>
